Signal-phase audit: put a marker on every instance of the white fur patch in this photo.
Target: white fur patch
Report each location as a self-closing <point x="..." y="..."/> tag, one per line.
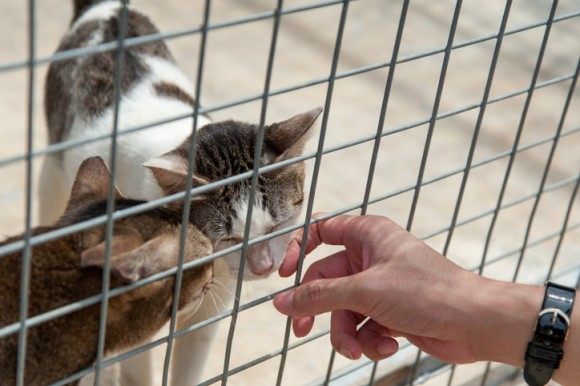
<point x="165" y="71"/>
<point x="262" y="221"/>
<point x="101" y="11"/>
<point x="95" y="39"/>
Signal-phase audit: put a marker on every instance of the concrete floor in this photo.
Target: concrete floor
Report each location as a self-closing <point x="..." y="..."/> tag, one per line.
<point x="235" y="66"/>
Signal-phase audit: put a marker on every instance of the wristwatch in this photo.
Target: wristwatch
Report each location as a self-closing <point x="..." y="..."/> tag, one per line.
<point x="544" y="351"/>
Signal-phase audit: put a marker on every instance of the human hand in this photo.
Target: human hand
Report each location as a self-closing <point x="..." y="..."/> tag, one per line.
<point x="405" y="287"/>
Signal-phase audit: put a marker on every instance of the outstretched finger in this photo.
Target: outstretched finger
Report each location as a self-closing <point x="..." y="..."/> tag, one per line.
<point x="290" y="262"/>
<point x="320" y="296"/>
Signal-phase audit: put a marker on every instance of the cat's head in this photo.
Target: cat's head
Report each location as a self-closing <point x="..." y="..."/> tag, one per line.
<point x="140" y="246"/>
<point x="226" y="149"/>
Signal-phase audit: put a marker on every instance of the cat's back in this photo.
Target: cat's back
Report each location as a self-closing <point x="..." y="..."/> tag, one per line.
<point x="80" y="94"/>
<point x="52" y="265"/>
<point x="84" y="87"/>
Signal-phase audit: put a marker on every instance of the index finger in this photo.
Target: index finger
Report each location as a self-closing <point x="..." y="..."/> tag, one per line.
<point x="341" y="230"/>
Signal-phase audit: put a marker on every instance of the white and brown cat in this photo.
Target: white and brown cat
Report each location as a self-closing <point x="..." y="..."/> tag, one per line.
<point x="68" y="269"/>
<point x="79" y="104"/>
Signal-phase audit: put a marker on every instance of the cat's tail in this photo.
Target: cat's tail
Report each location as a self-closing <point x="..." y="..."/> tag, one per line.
<point x="82" y="5"/>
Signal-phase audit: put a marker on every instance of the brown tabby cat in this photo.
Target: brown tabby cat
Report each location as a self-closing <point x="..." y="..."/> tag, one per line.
<point x="67" y="270"/>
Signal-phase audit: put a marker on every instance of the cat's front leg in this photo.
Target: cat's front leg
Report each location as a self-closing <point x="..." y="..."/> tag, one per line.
<point x="191" y="351"/>
<point x="137" y="370"/>
<point x="110" y="376"/>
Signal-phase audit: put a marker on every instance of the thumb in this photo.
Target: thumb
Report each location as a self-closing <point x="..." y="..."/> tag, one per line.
<point x="317" y="297"/>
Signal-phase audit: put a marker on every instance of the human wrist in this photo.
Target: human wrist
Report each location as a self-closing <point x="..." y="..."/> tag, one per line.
<point x="504" y="318"/>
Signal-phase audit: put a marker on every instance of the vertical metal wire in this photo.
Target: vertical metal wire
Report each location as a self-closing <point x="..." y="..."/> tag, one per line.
<point x="570" y="204"/>
<point x="500" y="36"/>
<point x="384" y="105"/>
<point x="254" y="184"/>
<point x="474" y="141"/>
<point x="27" y="250"/>
<point x="381" y="124"/>
<point x="563" y="231"/>
<point x="478" y="124"/>
<point x="545" y="175"/>
<point x="185" y="214"/>
<point x="431" y="129"/>
<point x="315" y="172"/>
<point x="554" y="144"/>
<point x="434" y="112"/>
<point x="120" y="57"/>
<point x="523" y="120"/>
<point x="541" y="187"/>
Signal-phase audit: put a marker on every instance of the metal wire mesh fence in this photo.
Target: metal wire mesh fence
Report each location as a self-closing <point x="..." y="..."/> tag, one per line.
<point x="458" y="119"/>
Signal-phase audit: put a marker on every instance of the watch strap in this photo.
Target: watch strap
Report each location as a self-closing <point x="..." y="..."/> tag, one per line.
<point x="544" y="351"/>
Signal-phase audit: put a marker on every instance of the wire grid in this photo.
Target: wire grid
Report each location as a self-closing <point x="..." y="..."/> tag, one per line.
<point x="454" y="120"/>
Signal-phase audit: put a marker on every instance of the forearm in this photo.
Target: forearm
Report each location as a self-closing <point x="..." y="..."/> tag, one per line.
<point x="505" y="324"/>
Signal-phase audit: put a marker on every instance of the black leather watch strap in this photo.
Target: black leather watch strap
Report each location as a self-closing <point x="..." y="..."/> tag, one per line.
<point x="544" y="351"/>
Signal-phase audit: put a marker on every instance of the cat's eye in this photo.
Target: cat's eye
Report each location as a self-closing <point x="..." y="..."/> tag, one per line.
<point x="232" y="240"/>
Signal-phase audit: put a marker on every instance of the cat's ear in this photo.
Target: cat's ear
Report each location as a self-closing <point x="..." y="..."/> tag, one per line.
<point x="132" y="258"/>
<point x="289" y="137"/>
<point x="91" y="184"/>
<point x="170" y="171"/>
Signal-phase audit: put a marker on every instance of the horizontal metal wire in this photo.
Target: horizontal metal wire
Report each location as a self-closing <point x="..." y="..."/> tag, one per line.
<point x="69" y="144"/>
<point x="146" y="206"/>
<point x="134" y="41"/>
<point x="104" y="47"/>
<point x="557" y="185"/>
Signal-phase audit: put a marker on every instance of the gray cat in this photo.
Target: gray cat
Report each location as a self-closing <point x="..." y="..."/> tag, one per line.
<point x="67" y="270"/>
<point x="79" y="103"/>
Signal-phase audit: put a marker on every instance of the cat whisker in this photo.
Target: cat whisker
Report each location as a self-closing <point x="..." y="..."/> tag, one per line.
<point x="222" y="286"/>
<point x="215" y="299"/>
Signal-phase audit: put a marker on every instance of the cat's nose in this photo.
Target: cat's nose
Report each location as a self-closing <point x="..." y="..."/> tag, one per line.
<point x="262" y="268"/>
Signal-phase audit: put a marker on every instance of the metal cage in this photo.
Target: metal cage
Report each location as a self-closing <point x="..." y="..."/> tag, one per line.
<point x="457" y="119"/>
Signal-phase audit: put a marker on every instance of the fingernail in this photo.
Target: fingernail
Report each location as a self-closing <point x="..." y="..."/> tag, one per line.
<point x="283" y="302"/>
<point x="345" y="352"/>
<point x="387" y="347"/>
